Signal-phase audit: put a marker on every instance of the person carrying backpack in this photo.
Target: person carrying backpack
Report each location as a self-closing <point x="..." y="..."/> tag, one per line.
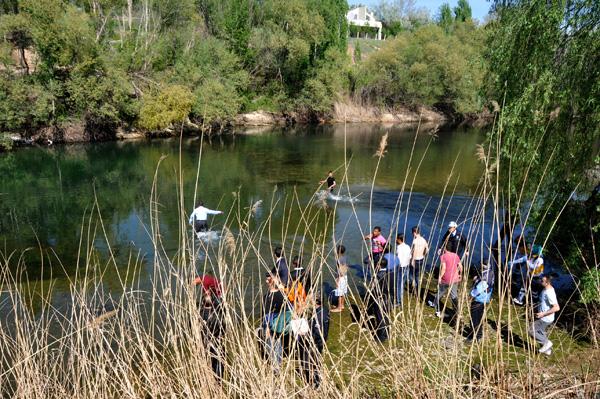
<point x="276" y="318"/>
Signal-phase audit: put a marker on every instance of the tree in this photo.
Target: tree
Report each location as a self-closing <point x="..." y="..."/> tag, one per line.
<point x="426" y="67"/>
<point x="398" y="15"/>
<point x="462" y="11"/>
<point x="216" y="101"/>
<point x="24" y="104"/>
<point x="544" y="59"/>
<point x="61" y="33"/>
<point x="99" y="95"/>
<point x="16" y="29"/>
<point x="357" y="52"/>
<point x="391" y="11"/>
<point x="286" y="43"/>
<point x="329" y="81"/>
<point x="444" y="19"/>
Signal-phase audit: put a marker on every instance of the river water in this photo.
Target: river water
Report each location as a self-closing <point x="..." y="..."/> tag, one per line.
<point x="53" y="198"/>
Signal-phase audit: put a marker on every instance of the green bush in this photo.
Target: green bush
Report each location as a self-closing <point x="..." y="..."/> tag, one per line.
<point x="216" y="101"/>
<point x="99" y="94"/>
<point x="330" y="80"/>
<point x="357" y="52"/>
<point x="590" y="287"/>
<point x="6" y="144"/>
<point x="426" y="66"/>
<point x="172" y="104"/>
<point x="24" y="104"/>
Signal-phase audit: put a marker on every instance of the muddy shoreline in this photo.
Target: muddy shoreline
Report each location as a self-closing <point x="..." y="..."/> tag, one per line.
<point x="257" y="122"/>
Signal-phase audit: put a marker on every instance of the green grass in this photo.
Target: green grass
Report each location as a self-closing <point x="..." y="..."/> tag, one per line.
<point x="349" y="347"/>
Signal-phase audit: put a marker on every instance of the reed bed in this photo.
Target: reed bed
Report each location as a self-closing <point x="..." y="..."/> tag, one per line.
<point x="137" y="340"/>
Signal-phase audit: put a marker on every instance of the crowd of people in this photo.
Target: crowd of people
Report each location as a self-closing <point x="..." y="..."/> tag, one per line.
<point x="295" y="315"/>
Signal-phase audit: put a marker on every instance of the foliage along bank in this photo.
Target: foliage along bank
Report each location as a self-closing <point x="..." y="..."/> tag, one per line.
<point x="97" y="66"/>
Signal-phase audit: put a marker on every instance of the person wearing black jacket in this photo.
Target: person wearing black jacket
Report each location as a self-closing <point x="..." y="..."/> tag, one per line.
<point x="300" y="273"/>
<point x="311" y="345"/>
<point x="281" y="269"/>
<point x="454" y="241"/>
<point x="319" y="325"/>
<point x="213" y="329"/>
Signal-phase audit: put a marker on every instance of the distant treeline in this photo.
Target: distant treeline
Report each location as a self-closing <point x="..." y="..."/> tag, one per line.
<point x="152" y="64"/>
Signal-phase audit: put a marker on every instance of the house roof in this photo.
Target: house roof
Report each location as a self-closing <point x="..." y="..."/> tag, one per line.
<point x="361" y="16"/>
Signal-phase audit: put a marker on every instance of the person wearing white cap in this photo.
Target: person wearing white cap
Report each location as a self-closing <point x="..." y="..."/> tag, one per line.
<point x="454" y="241"/>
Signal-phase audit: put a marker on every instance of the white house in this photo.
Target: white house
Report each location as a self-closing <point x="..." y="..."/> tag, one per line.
<point x="361" y="16"/>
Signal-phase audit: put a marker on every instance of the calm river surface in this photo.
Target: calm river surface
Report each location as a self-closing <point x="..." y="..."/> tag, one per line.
<point x="47" y="195"/>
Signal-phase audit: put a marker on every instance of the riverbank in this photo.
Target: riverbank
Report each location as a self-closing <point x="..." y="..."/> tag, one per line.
<point x="77" y="131"/>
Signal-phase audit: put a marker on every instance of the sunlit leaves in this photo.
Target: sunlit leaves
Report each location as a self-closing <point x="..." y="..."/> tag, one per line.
<point x="170" y="105"/>
<point x="426" y="66"/>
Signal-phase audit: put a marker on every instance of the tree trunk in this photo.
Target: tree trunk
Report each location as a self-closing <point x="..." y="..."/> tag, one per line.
<point x="129" y="11"/>
<point x="24" y="63"/>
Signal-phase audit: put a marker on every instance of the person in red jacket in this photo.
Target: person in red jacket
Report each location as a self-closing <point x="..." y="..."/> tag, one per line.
<point x="210" y="285"/>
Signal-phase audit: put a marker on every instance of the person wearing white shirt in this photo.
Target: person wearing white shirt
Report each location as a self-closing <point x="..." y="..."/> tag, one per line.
<point x="419" y="249"/>
<point x="199" y="217"/>
<point x="404" y="253"/>
<point x="545" y="316"/>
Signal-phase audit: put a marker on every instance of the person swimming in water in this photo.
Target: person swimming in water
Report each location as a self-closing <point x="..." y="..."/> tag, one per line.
<point x="199" y="217"/>
<point x="330" y="181"/>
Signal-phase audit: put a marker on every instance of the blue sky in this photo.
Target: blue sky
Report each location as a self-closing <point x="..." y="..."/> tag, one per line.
<point x="480" y="7"/>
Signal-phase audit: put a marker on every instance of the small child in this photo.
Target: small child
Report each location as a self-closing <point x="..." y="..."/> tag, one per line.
<point x="341" y="280"/>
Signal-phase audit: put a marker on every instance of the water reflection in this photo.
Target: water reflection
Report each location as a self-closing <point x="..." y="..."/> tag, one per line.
<point x="48" y="194"/>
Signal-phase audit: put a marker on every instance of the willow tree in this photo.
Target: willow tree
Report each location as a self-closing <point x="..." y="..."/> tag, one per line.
<point x="544" y="58"/>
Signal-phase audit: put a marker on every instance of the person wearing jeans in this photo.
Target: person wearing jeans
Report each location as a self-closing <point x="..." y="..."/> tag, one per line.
<point x="199" y="217"/>
<point x="450" y="276"/>
<point x="545" y="317"/>
<point x="419" y="250"/>
<point x="403" y="254"/>
<point x="445" y="290"/>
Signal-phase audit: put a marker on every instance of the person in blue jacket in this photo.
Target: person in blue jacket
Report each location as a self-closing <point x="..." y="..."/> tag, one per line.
<point x="481" y="296"/>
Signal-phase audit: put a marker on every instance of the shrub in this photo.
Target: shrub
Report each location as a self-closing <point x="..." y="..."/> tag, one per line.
<point x="24" y="104"/>
<point x="427" y="67"/>
<point x="171" y="105"/>
<point x="590" y="287"/>
<point x="330" y="80"/>
<point x="216" y="101"/>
